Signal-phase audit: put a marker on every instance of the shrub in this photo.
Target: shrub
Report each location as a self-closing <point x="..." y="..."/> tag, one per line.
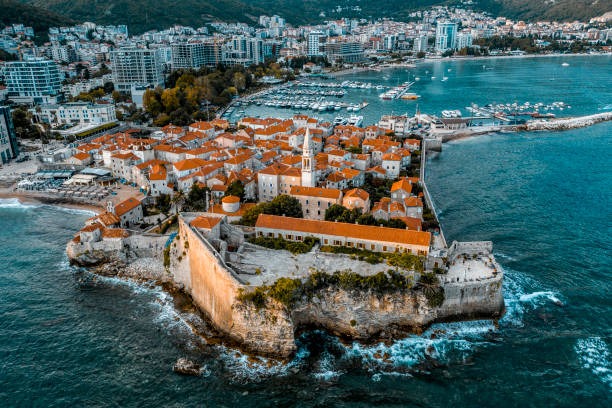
<point x="430" y="285"/>
<point x="280" y="243"/>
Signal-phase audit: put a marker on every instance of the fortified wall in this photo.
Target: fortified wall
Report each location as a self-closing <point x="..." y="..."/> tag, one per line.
<point x="214" y="286"/>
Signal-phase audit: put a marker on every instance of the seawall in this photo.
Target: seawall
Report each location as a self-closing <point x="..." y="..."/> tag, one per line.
<point x="353" y="315"/>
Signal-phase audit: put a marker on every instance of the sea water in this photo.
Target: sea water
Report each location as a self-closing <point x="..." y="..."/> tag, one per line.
<point x="69" y="338"/>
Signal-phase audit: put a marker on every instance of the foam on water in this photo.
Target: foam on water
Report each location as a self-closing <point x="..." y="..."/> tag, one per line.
<point x="522" y="294"/>
<point x="327" y="368"/>
<point x="594" y="355"/>
<point x="15" y="203"/>
<point x="442" y="343"/>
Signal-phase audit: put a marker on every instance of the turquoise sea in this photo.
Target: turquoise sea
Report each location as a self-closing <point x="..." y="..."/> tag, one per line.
<point x="68" y="338"/>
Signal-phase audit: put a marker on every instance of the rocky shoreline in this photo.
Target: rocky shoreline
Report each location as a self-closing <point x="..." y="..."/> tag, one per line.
<point x="197" y="275"/>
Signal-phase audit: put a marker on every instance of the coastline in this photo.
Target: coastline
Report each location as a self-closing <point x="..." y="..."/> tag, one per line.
<point x="414" y="63"/>
<point x="41" y="198"/>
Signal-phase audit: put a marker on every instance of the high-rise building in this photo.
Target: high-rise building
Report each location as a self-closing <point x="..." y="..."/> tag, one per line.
<point x="464" y="39"/>
<point x="242" y="50"/>
<point x="314" y="43"/>
<point x="9" y="148"/>
<point x="420" y="43"/>
<point x="195" y="55"/>
<point x="446" y="36"/>
<point x="345" y="52"/>
<point x="136" y="66"/>
<point x="33" y="80"/>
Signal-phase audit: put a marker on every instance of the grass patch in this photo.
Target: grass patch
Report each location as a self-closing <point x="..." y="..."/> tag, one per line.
<point x="280" y="243"/>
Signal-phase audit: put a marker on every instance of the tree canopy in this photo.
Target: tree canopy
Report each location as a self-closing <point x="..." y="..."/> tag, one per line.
<point x="281" y="205"/>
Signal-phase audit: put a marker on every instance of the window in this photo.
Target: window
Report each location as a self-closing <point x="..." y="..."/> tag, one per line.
<point x="325" y="241"/>
<point x="306" y="202"/>
<point x="384" y="248"/>
<point x="318" y="203"/>
<point x="372" y="247"/>
<point x="336" y="242"/>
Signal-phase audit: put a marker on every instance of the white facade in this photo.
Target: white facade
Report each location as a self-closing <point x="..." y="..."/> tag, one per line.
<point x="76" y="112"/>
<point x="446" y="36"/>
<point x="33" y="80"/>
<point x="136" y="66"/>
<point x="308" y="162"/>
<point x="314" y="43"/>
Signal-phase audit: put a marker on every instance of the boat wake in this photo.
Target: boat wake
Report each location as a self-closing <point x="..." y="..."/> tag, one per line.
<point x="594" y="355"/>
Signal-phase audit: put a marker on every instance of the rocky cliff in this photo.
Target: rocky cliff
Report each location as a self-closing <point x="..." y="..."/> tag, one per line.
<point x="269" y="328"/>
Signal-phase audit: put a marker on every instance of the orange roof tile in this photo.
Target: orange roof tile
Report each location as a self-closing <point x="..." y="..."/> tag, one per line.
<point x="230" y="199"/>
<point x="413" y="202"/>
<point x="331" y="193"/>
<point x="204" y="222"/>
<point x="358" y="193"/>
<point x="402" y="184"/>
<point x="189" y="164"/>
<point x="82" y="156"/>
<point x="115" y="233"/>
<point x="126" y="206"/>
<point x="365" y="232"/>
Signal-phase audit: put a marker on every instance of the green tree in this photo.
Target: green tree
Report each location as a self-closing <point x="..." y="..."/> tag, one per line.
<point x="236" y="188"/>
<point x="196" y="198"/>
<point x="334" y="212"/>
<point x="282" y="205"/>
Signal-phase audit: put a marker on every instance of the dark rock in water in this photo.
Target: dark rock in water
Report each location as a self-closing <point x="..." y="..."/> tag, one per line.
<point x="186" y="367"/>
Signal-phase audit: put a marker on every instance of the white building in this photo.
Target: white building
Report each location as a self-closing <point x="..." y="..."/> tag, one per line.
<point x="33" y="80"/>
<point x="76" y="112"/>
<point x="136" y="66"/>
<point x="314" y="43"/>
<point x="446" y="36"/>
<point x="464" y="40"/>
<point x="420" y="43"/>
<point x="195" y="55"/>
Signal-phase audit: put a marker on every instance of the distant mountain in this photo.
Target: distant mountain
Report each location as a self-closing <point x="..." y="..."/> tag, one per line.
<point x="38" y="18"/>
<point x="555" y="10"/>
<point x="142" y="15"/>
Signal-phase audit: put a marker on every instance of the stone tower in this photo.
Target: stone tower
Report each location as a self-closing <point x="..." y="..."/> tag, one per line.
<point x="308" y="162"/>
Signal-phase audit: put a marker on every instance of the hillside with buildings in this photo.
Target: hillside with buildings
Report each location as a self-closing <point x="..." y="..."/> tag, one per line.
<point x="142" y="15"/>
<point x="39" y="18"/>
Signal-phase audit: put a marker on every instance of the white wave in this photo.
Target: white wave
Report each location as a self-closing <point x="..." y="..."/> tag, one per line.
<point x="247" y="368"/>
<point x="76" y="211"/>
<point x="607" y="107"/>
<point x="521" y="294"/>
<point x="594" y="355"/>
<point x="15" y="203"/>
<point x="443" y="342"/>
<point x="327" y="370"/>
